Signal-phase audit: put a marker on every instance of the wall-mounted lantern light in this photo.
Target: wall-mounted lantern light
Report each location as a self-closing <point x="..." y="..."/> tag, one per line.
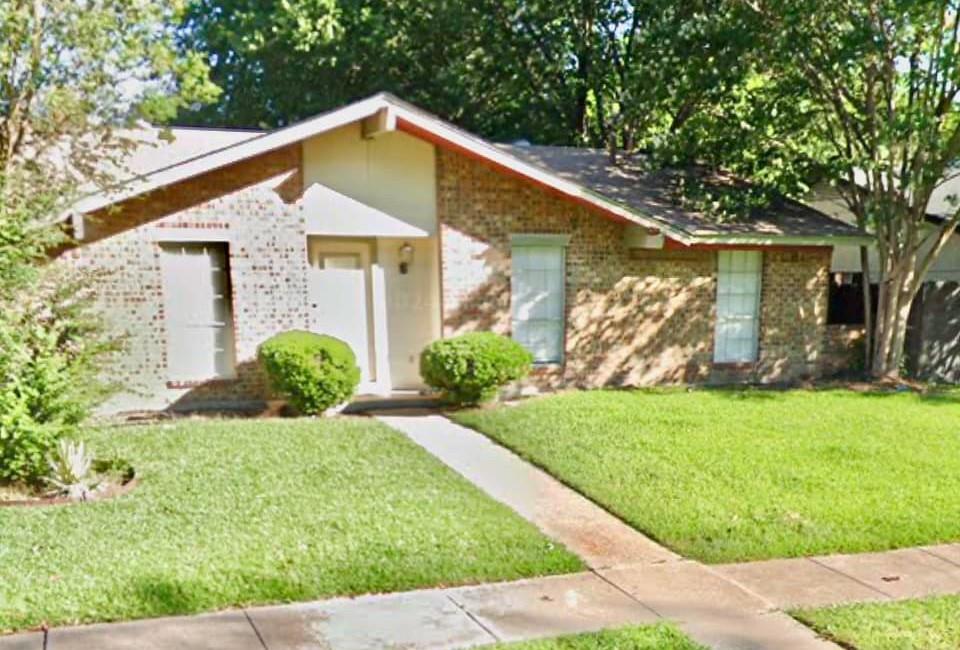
<point x="406" y="257"/>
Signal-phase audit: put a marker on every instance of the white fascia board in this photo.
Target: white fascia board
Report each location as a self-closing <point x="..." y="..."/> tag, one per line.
<point x="390" y="108"/>
<point x="785" y="240"/>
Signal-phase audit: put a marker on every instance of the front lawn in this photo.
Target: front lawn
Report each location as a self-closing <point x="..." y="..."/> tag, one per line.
<point x="648" y="637"/>
<point x="929" y="624"/>
<point x="232" y="513"/>
<point x="733" y="475"/>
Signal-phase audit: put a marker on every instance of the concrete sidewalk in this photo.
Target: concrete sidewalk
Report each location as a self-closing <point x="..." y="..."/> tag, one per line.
<point x="438" y="618"/>
<point x="717" y="606"/>
<point x="863" y="577"/>
<point x="601" y="540"/>
<point x="726" y="616"/>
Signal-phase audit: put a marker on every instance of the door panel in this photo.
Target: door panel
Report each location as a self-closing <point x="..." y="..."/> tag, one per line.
<point x="197" y="311"/>
<point x="340" y="301"/>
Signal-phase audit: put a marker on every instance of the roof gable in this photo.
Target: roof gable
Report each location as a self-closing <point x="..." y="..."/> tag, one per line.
<point x="384" y="112"/>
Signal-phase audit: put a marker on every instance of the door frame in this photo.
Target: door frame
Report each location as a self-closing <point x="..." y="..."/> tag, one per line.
<point x="366" y="249"/>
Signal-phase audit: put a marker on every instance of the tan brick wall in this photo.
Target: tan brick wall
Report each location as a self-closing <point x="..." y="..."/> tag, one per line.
<point x="250" y="204"/>
<point x="843" y="350"/>
<point x="633" y="317"/>
<point x="793" y="313"/>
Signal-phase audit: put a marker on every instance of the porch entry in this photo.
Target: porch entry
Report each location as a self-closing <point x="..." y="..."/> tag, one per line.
<point x="341" y="299"/>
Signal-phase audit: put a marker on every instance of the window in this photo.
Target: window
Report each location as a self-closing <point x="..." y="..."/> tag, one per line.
<point x="197" y="311"/>
<point x="845" y="305"/>
<point x="738" y="303"/>
<point x="538" y="290"/>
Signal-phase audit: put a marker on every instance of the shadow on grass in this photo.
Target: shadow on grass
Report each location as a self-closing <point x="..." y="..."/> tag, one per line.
<point x="164" y="596"/>
<point x="939" y="395"/>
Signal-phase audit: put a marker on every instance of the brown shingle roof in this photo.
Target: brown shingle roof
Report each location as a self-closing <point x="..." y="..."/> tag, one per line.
<point x="653" y="193"/>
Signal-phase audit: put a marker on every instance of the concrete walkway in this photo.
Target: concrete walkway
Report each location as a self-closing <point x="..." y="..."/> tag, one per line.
<point x="601" y="540"/>
<point x="711" y="607"/>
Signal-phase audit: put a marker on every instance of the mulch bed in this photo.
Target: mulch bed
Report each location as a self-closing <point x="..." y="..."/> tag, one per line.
<point x="112" y="490"/>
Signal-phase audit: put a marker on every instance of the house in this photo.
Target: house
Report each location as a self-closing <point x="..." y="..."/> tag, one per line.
<point x="387" y="227"/>
<point x="932" y="346"/>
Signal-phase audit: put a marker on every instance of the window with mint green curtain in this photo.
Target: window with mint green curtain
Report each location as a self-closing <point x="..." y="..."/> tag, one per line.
<point x="537" y="300"/>
<point x="738" y="306"/>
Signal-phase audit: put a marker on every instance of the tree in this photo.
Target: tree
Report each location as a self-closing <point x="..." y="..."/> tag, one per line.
<point x="861" y="94"/>
<point x="552" y="71"/>
<point x="73" y="75"/>
<point x="279" y="61"/>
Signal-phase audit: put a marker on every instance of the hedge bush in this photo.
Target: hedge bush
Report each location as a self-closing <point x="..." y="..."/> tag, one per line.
<point x="314" y="372"/>
<point x="471" y="368"/>
<point x="53" y="347"/>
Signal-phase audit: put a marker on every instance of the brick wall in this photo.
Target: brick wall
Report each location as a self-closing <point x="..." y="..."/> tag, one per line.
<point x="251" y="205"/>
<point x="843" y="350"/>
<point x="634" y="317"/>
<point x="793" y="313"/>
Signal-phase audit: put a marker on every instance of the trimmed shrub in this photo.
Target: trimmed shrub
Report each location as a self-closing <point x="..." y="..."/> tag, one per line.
<point x="471" y="368"/>
<point x="314" y="372"/>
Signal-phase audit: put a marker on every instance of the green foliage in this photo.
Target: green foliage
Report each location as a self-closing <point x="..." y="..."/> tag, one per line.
<point x="51" y="349"/>
<point x="74" y="73"/>
<point x="24" y="245"/>
<point x="315" y="372"/>
<point x="272" y="511"/>
<point x="552" y="71"/>
<point x="471" y="368"/>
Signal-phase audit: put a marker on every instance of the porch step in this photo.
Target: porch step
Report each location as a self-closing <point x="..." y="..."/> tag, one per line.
<point x="364" y="404"/>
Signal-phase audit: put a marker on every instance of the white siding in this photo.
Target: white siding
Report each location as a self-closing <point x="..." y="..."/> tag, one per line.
<point x="738" y="303"/>
<point x="197" y="312"/>
<point x="537" y="300"/>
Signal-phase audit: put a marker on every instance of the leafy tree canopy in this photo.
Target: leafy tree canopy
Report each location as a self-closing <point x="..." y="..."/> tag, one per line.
<point x="555" y="72"/>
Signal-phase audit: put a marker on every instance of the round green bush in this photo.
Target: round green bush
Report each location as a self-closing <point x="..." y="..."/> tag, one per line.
<point x="471" y="368"/>
<point x="314" y="372"/>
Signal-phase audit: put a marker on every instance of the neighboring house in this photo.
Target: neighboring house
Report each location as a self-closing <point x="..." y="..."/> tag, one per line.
<point x="933" y="335"/>
<point x="389" y="228"/>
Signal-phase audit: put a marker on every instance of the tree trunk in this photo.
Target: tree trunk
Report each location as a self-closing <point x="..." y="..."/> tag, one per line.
<point x="896" y="297"/>
<point x="881" y="367"/>
<point x="868" y="320"/>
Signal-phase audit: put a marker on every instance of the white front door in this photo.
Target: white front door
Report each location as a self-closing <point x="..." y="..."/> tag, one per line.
<point x="340" y="299"/>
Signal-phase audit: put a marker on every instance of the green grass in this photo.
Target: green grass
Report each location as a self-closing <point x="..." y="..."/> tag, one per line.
<point x="231" y="513"/>
<point x="648" y="637"/>
<point x="929" y="624"/>
<point x="733" y="475"/>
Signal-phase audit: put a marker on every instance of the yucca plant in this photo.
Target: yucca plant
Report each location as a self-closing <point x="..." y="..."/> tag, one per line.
<point x="70" y="474"/>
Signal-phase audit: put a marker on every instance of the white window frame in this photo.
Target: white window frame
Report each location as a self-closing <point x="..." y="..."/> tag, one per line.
<point x="226" y="368"/>
<point x="732" y="269"/>
<point x="558" y="243"/>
